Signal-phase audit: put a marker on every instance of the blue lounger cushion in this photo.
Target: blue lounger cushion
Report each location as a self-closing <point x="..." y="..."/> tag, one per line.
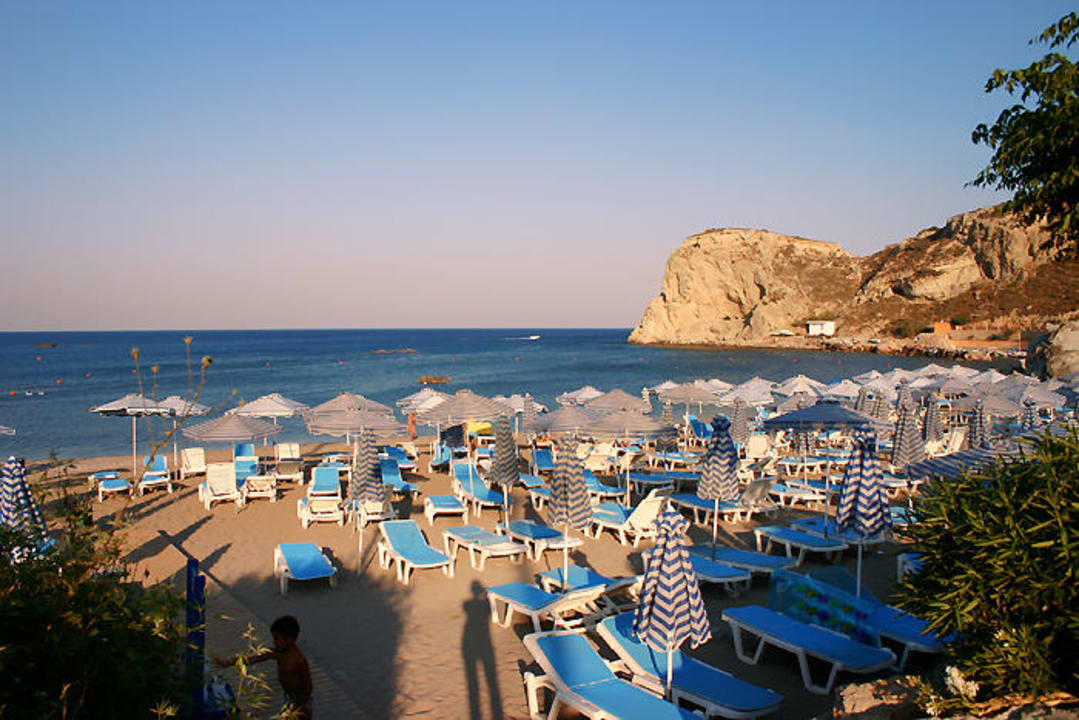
<point x="831" y="646"/>
<point x="305" y="561"/>
<point x="818" y="526"/>
<point x="747" y="559"/>
<point x="407" y="541"/>
<point x="716" y="571"/>
<point x="695" y="677"/>
<point x="579" y="577"/>
<point x="114" y="484"/>
<point x="542" y="459"/>
<point x="445" y="502"/>
<point x="474" y="535"/>
<point x="530" y="481"/>
<point x="694" y="500"/>
<point x="800" y="538"/>
<point x="524" y="594"/>
<point x="325" y="481"/>
<point x="612" y="512"/>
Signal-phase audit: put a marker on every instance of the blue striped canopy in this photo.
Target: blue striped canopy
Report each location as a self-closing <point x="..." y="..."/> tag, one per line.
<point x="670" y="609"/>
<point x="504" y="468"/>
<point x="978" y="434"/>
<point x="862" y="403"/>
<point x="1030" y="418"/>
<point x="569" y="505"/>
<point x="932" y="427"/>
<point x="903" y="396"/>
<point x="863" y="503"/>
<point x="18" y="511"/>
<point x="719" y="476"/>
<point x="739" y="424"/>
<point x="907" y="444"/>
<point x="365" y="482"/>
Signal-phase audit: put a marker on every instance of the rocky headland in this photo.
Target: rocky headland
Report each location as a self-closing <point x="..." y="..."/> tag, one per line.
<point x="983" y="282"/>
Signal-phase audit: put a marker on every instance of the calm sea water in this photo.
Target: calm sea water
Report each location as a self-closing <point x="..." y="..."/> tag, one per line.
<point x="46" y="391"/>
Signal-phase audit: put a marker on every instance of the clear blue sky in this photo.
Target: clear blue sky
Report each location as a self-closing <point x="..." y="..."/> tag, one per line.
<point x="209" y="165"/>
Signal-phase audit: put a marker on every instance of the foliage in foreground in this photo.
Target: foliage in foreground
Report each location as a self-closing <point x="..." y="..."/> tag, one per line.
<point x="1000" y="558"/>
<point x="79" y="641"/>
<point x="1035" y="142"/>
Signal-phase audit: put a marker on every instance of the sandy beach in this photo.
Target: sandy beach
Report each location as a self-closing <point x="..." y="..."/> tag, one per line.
<point x="380" y="649"/>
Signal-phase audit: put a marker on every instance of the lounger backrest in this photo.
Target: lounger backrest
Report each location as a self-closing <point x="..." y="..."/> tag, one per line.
<point x="157" y="463"/>
<point x="193" y="460"/>
<point x="570" y="657"/>
<point x="323" y="505"/>
<point x="757" y="446"/>
<point x="389" y="469"/>
<point x="245" y="467"/>
<point x="543" y="457"/>
<point x="325" y="479"/>
<point x="583" y="451"/>
<point x="397" y="454"/>
<point x="404" y="535"/>
<point x="756" y="493"/>
<point x="809" y="601"/>
<point x="243" y="450"/>
<point x="647" y="510"/>
<point x="221" y="478"/>
<point x="287" y="451"/>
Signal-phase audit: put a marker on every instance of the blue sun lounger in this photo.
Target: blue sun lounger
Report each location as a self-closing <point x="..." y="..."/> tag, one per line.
<point x="404" y="462"/>
<point x="582" y="681"/>
<point x="530" y="481"/>
<point x="619" y="594"/>
<point x="474" y="490"/>
<point x="817" y="526"/>
<point x="799" y="540"/>
<point x="325" y="482"/>
<point x="703" y="509"/>
<point x="434" y="505"/>
<point x="403" y="543"/>
<point x="716" y="692"/>
<point x="481" y="544"/>
<point x="564" y="609"/>
<point x="746" y="559"/>
<point x="156" y="474"/>
<point x="537" y="536"/>
<point x="391" y="476"/>
<point x="109" y="481"/>
<point x="301" y="561"/>
<point x="805" y="641"/>
<point x="542" y="460"/>
<point x="597" y="491"/>
<point x="442" y="456"/>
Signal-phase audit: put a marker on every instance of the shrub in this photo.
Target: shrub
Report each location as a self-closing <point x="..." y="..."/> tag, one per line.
<point x="1000" y="560"/>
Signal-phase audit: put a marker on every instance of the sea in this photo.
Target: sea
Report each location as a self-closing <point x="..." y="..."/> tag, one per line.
<point x="50" y="380"/>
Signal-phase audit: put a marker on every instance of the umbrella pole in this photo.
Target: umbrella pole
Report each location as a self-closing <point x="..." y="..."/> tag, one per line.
<point x="715" y="528"/>
<point x="858" y="578"/>
<point x="565" y="559"/>
<point x="670" y="654"/>
<point x="134" y="474"/>
<point x="175" y="465"/>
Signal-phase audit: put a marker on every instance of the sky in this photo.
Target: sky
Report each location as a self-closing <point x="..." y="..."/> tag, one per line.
<point x="205" y="165"/>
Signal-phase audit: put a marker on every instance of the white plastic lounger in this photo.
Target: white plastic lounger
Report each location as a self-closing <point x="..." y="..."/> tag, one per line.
<point x="537" y="537"/>
<point x="403" y="543"/>
<point x="301" y="561"/>
<point x="192" y="462"/>
<point x="530" y="481"/>
<point x="320" y="508"/>
<point x="109" y="482"/>
<point x="404" y="462"/>
<point x="599" y="492"/>
<point x="619" y="594"/>
<point x="582" y="681"/>
<point x="754" y="562"/>
<point x="643" y="482"/>
<point x="568" y="609"/>
<point x="798" y="540"/>
<point x="325" y="481"/>
<point x="630" y="525"/>
<point x="220" y="486"/>
<point x="817" y="526"/>
<point x="791" y="495"/>
<point x="434" y="505"/>
<point x="156" y="474"/>
<point x="716" y="692"/>
<point x="703" y="509"/>
<point x="481" y="544"/>
<point x="289" y="464"/>
<point x="775" y="628"/>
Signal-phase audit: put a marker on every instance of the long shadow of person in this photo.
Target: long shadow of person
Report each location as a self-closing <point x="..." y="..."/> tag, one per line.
<point x="477" y="650"/>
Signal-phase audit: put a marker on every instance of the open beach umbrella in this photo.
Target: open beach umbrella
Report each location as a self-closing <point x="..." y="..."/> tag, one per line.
<point x="978" y="434"/>
<point x="956" y="387"/>
<point x="670" y="609"/>
<point x="417" y="401"/>
<point x="688" y="394"/>
<point x="504" y="468"/>
<point x="863" y="504"/>
<point x="739" y="422"/>
<point x="907" y="444"/>
<point x="273" y="406"/>
<point x="230" y="428"/>
<point x="719" y="476"/>
<point x="569" y="506"/>
<point x="579" y="396"/>
<point x="352" y="401"/>
<point x="18" y="511"/>
<point x="625" y="425"/>
<point x="568" y="418"/>
<point x="134" y="406"/>
<point x="463" y="406"/>
<point x="618" y="399"/>
<point x="932" y="427"/>
<point x="182" y="409"/>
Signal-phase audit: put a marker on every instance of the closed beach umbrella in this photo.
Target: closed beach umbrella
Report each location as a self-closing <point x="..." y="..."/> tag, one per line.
<point x="18" y="511"/>
<point x="181" y="410"/>
<point x="863" y="504"/>
<point x="670" y="609"/>
<point x="529" y="414"/>
<point x="569" y="506"/>
<point x="881" y="409"/>
<point x="719" y="476"/>
<point x="863" y="400"/>
<point x="739" y="422"/>
<point x="903" y="396"/>
<point x="666" y="416"/>
<point x="1030" y="418"/>
<point x="364" y="483"/>
<point x="504" y="468"/>
<point x="230" y="428"/>
<point x="618" y="399"/>
<point x="907" y="444"/>
<point x="978" y="434"/>
<point x="134" y="406"/>
<point x="932" y="427"/>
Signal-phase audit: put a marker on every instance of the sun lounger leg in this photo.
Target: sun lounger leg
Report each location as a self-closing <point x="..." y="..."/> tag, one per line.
<point x="803" y="663"/>
<point x="736" y="632"/>
<point x="284" y="583"/>
<point x="533" y="684"/>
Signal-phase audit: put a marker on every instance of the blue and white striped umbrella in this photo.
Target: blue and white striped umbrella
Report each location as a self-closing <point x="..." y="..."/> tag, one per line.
<point x="569" y="507"/>
<point x="907" y="444"/>
<point x="504" y="468"/>
<point x="1029" y="420"/>
<point x="862" y="403"/>
<point x="863" y="503"/>
<point x="903" y="396"/>
<point x="932" y="427"/>
<point x="18" y="511"/>
<point x="719" y="476"/>
<point x="670" y="609"/>
<point x="739" y="422"/>
<point x="978" y="434"/>
<point x="366" y="482"/>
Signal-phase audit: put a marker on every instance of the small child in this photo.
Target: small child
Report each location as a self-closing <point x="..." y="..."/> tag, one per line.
<point x="292" y="669"/>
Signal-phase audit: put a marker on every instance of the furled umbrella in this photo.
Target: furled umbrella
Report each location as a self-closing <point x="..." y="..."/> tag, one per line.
<point x="364" y="483"/>
<point x="134" y="406"/>
<point x="880" y="409"/>
<point x="529" y="414"/>
<point x="569" y="506"/>
<point x="18" y="511"/>
<point x="932" y="427"/>
<point x="739" y="422"/>
<point x="504" y="468"/>
<point x="978" y="435"/>
<point x="862" y="403"/>
<point x="863" y="504"/>
<point x="907" y="444"/>
<point x="182" y="409"/>
<point x="1029" y="420"/>
<point x="719" y="476"/>
<point x="903" y="397"/>
<point x="666" y="416"/>
<point x="670" y="609"/>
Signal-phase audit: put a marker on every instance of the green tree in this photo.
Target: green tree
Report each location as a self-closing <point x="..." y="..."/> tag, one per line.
<point x="1035" y="142"/>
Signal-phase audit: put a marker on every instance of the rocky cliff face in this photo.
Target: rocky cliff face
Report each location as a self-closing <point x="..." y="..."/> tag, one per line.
<point x="736" y="287"/>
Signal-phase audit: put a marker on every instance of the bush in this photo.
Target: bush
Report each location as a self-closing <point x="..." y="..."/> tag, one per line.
<point x="78" y="640"/>
<point x="1000" y="560"/>
<point x="906" y="328"/>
